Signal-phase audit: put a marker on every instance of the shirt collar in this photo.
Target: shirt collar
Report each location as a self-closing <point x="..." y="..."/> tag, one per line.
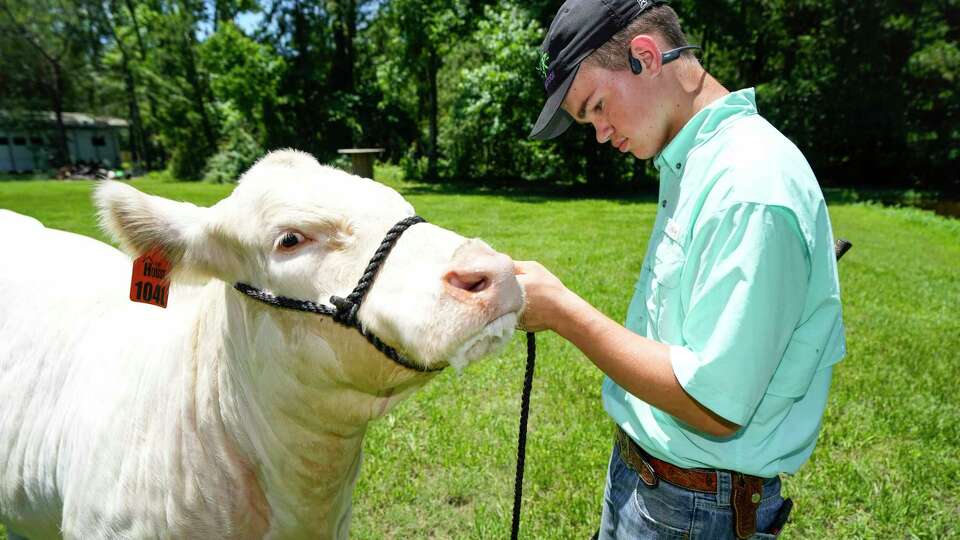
<point x="704" y="125"/>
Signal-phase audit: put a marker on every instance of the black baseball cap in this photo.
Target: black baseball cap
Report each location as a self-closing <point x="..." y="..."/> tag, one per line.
<point x="579" y="28"/>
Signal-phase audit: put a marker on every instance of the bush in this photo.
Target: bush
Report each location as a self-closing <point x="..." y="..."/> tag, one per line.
<point x="237" y="152"/>
<point x="485" y="133"/>
<point x="187" y="155"/>
<point x="495" y="101"/>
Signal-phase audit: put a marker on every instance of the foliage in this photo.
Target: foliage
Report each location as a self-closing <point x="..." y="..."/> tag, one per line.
<point x="416" y="36"/>
<point x="867" y="90"/>
<point x="237" y="152"/>
<point x="45" y="47"/>
<point x="485" y="132"/>
<point x="244" y="76"/>
<point x="854" y="84"/>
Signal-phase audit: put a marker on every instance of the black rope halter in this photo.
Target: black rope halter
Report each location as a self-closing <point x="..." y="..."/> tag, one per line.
<point x="344" y="310"/>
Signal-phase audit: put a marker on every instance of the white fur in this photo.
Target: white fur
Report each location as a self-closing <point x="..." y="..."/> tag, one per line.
<point x="219" y="417"/>
<point x="491" y="340"/>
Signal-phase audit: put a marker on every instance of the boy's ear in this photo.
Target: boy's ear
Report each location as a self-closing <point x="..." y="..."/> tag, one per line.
<point x="180" y="230"/>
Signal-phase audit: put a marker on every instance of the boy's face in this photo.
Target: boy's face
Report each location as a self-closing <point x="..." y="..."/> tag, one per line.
<point x="624" y="109"/>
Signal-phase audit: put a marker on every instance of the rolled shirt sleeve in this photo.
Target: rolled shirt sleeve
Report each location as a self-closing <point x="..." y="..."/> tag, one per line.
<point x="749" y="287"/>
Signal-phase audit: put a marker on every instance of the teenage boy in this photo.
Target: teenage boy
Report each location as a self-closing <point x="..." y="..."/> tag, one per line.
<point x="718" y="381"/>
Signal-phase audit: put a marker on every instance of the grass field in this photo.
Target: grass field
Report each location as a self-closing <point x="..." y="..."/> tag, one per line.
<point x="441" y="465"/>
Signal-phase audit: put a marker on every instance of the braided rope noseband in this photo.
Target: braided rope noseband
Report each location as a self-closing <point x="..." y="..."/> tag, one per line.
<point x="344" y="310"/>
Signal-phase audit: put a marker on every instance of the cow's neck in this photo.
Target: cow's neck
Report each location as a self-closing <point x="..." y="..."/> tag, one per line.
<point x="296" y="410"/>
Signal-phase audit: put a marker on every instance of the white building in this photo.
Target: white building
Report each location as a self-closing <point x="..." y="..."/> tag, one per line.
<point x="94" y="139"/>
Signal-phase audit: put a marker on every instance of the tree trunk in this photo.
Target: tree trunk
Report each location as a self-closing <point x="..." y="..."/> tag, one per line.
<point x="198" y="90"/>
<point x="433" y="66"/>
<point x="304" y="88"/>
<point x="154" y="160"/>
<point x="140" y="150"/>
<point x="138" y="139"/>
<point x="342" y="83"/>
<point x="61" y="154"/>
<point x="345" y="30"/>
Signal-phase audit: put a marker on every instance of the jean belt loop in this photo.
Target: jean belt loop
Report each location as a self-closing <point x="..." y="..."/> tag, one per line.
<point x="723" y="488"/>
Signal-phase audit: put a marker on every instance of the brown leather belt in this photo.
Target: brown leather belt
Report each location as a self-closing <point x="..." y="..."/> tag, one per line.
<point x="747" y="491"/>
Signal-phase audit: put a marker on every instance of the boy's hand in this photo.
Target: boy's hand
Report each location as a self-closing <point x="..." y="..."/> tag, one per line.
<point x="544" y="296"/>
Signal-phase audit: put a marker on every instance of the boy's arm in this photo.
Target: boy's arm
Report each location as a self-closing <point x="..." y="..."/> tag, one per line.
<point x="639" y="365"/>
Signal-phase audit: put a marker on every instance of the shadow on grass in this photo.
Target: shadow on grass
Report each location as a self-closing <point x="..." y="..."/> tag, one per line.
<point x="647" y="193"/>
<point x="531" y="192"/>
<point x="24" y="177"/>
<point x="926" y="200"/>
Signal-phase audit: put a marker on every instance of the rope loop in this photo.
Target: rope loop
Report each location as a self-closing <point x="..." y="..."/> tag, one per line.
<point x="370" y="272"/>
<point x="346" y="313"/>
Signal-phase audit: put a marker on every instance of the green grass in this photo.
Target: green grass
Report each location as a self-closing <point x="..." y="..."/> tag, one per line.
<point x="441" y="465"/>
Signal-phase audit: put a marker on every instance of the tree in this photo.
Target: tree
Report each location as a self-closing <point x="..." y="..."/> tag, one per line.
<point x="298" y="31"/>
<point x="415" y="37"/>
<point x="847" y="81"/>
<point x="244" y="74"/>
<point x="495" y="97"/>
<point x="182" y="108"/>
<point x="932" y="76"/>
<point x="109" y="14"/>
<point x="45" y="27"/>
<point x="493" y="100"/>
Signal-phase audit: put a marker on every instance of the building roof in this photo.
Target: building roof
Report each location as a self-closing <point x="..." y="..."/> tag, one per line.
<point x="70" y="119"/>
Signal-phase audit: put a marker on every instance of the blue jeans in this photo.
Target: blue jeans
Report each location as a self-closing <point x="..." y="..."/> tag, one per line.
<point x="631" y="509"/>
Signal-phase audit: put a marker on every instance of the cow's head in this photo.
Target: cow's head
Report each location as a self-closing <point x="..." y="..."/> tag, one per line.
<point x="299" y="229"/>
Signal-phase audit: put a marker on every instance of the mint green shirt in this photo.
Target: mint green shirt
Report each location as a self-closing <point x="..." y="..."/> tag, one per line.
<point x="740" y="280"/>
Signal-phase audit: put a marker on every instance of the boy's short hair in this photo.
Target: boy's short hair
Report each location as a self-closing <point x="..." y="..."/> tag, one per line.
<point x="660" y="20"/>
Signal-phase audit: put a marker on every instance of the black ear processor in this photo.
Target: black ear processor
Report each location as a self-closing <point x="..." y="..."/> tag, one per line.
<point x="637" y="67"/>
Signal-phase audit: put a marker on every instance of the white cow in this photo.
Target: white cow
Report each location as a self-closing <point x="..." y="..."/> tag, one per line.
<point x="219" y="416"/>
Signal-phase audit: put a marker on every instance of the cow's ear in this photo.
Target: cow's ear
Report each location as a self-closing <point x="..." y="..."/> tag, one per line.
<point x="180" y="230"/>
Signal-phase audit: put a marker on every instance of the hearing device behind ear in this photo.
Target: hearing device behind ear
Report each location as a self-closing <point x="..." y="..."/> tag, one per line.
<point x="637" y="67"/>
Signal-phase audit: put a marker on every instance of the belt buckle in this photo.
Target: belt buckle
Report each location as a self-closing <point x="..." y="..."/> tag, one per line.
<point x="633" y="456"/>
<point x="647" y="474"/>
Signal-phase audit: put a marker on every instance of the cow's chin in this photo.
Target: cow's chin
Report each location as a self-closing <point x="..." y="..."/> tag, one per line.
<point x="490" y="340"/>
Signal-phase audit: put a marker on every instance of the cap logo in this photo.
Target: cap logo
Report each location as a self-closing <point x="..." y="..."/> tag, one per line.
<point x="644" y="4"/>
<point x="544" y="63"/>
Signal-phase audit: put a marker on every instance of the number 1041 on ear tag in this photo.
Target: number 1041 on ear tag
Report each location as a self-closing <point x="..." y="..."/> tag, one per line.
<point x="150" y="283"/>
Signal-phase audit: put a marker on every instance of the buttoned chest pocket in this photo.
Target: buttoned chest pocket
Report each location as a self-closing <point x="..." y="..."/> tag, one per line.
<point x="669" y="258"/>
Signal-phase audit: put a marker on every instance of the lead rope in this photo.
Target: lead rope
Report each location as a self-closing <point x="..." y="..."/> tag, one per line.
<point x="522" y="438"/>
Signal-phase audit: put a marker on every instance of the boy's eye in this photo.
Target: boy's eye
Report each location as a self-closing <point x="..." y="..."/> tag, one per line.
<point x="598" y="107"/>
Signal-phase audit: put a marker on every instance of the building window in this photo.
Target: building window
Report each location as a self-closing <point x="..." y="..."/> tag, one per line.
<point x="99" y="140"/>
<point x="36" y="141"/>
<point x="19" y="141"/>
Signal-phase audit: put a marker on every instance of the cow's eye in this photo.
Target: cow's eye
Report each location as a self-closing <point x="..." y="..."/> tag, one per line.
<point x="291" y="240"/>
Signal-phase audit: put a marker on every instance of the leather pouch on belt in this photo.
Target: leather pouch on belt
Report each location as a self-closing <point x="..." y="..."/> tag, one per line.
<point x="747" y="493"/>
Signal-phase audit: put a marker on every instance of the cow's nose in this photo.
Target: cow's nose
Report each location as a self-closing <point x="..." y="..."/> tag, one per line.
<point x="477" y="270"/>
<point x="468" y="280"/>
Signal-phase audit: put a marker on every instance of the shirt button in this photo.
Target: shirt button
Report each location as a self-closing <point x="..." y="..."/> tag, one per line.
<point x="664" y="204"/>
<point x="678" y="166"/>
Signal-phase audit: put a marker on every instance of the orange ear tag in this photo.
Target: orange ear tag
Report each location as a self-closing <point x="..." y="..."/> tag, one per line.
<point x="150" y="283"/>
